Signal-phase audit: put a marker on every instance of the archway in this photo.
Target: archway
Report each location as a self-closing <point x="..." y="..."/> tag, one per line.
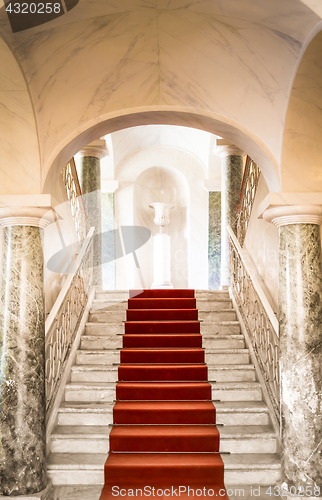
<point x="302" y="146"/>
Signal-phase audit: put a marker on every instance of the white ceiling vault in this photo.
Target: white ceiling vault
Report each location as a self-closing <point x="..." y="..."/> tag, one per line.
<point x="224" y="66"/>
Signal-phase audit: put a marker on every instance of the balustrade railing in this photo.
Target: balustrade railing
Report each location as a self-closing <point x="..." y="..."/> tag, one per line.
<point x="64" y="318"/>
<point x="74" y="195"/>
<point x="258" y="317"/>
<point x="247" y="197"/>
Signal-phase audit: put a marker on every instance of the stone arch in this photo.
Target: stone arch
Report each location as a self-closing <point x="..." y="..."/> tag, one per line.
<point x="302" y="146"/>
<point x="209" y="122"/>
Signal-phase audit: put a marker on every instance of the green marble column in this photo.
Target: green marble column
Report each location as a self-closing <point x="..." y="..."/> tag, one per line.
<point x="231" y="180"/>
<point x="214" y="240"/>
<point x="108" y="244"/>
<point x="300" y="317"/>
<point x="90" y="181"/>
<point x="22" y="355"/>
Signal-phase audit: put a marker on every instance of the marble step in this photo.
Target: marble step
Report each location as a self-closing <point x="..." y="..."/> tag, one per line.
<point x="212" y="328"/>
<point x="90" y="342"/>
<point x="252" y="469"/>
<point x="105" y="391"/>
<point x="95" y="439"/>
<point x="110" y="316"/>
<point x="77" y="469"/>
<point x="104" y="328"/>
<point x="227" y="413"/>
<point x="247" y="412"/>
<point x="236" y="391"/>
<point x="223" y="314"/>
<point x="206" y="304"/>
<point x="97" y="357"/>
<point x="227" y="356"/>
<point x="112" y="294"/>
<point x="216" y="373"/>
<point x="109" y="304"/>
<point x="224" y="342"/>
<point x="247" y="439"/>
<point x="231" y="373"/>
<point x="211" y="294"/>
<point x="76" y="413"/>
<point x="80" y="439"/>
<point x="90" y="391"/>
<point x="76" y="492"/>
<point x="212" y="356"/>
<point x="88" y="469"/>
<point x="94" y="373"/>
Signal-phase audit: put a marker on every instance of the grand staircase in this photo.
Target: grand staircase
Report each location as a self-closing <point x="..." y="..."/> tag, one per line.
<point x="80" y="442"/>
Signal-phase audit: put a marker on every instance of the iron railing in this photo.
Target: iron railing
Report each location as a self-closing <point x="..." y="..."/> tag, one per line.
<point x="258" y="317"/>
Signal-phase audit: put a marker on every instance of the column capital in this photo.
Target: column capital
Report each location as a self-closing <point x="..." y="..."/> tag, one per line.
<point x="282" y="209"/>
<point x="96" y="148"/>
<point x="226" y="148"/>
<point x="27" y="210"/>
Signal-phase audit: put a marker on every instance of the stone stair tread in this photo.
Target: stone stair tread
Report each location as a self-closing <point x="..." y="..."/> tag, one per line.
<point x="76" y="407"/>
<point x="219" y="336"/>
<point x="80" y="431"/>
<point x="242" y="406"/>
<point x="236" y="385"/>
<point x="76" y="461"/>
<point x="223" y="309"/>
<point x="219" y="299"/>
<point x="246" y="431"/>
<point x="230" y="367"/>
<point x="252" y="460"/>
<point x="90" y="385"/>
<point x="99" y="325"/>
<point x="99" y="351"/>
<point x="90" y="368"/>
<point x="221" y="323"/>
<point x="227" y="351"/>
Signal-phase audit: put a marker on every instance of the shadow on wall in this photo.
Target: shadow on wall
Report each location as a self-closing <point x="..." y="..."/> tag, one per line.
<point x="167" y="185"/>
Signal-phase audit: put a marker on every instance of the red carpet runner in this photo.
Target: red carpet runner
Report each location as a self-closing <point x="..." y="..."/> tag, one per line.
<point x="164" y="434"/>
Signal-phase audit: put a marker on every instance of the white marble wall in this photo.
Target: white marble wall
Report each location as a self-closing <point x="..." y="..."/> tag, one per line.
<point x="19" y="153"/>
<point x="65" y="229"/>
<point x="171" y="175"/>
<point x="262" y="245"/>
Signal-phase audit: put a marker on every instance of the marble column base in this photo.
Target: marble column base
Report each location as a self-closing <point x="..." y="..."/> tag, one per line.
<point x="42" y="495"/>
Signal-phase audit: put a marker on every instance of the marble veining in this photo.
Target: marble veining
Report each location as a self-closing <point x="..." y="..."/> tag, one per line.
<point x="108" y="251"/>
<point x="22" y="351"/>
<point x="150" y="57"/>
<point x="300" y="316"/>
<point x="90" y="180"/>
<point x="214" y="241"/>
<point x="231" y="180"/>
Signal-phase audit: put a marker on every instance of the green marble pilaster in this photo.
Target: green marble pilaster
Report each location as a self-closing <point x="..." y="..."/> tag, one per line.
<point x="214" y="240"/>
<point x="300" y="317"/>
<point x="90" y="179"/>
<point x="231" y="181"/>
<point x="108" y="244"/>
<point x="22" y="357"/>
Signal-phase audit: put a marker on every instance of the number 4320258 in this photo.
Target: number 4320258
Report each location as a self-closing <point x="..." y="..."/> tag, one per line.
<point x="33" y="8"/>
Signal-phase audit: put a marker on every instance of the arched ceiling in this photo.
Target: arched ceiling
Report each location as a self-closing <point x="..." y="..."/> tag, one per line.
<point x="231" y="60"/>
